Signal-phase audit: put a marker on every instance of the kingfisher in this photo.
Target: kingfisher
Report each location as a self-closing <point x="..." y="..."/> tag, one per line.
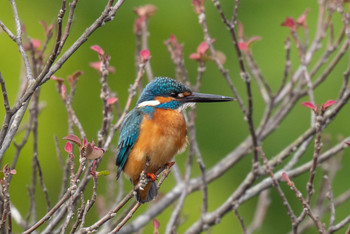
<point x="155" y="130"/>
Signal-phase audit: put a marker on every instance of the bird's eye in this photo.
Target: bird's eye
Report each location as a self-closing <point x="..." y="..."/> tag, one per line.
<point x="173" y="94"/>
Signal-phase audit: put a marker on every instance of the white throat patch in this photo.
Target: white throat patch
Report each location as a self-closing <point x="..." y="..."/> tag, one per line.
<point x="184" y="106"/>
<point x="149" y="103"/>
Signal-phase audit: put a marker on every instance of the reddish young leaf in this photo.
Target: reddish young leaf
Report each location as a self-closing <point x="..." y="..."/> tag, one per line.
<point x="156" y="226"/>
<point x="76" y="75"/>
<point x="47" y="29"/>
<point x="302" y="19"/>
<point x="149" y="9"/>
<point x="175" y="44"/>
<point x="329" y="103"/>
<point x="74" y="78"/>
<point x="95" y="65"/>
<point x="240" y="30"/>
<point x="285" y="177"/>
<point x="59" y="80"/>
<point x="88" y="148"/>
<point x="308" y="105"/>
<point x="197" y="3"/>
<point x="145" y="54"/>
<point x="43" y="23"/>
<point x="325" y="106"/>
<point x="252" y="40"/>
<point x="93" y="152"/>
<point x="198" y="6"/>
<point x="243" y="46"/>
<point x="200" y="55"/>
<point x="146" y="10"/>
<point x="290" y="23"/>
<point x="73" y="138"/>
<point x="173" y="39"/>
<point x="202" y="48"/>
<point x="98" y="49"/>
<point x="195" y="56"/>
<point x="112" y="100"/>
<point x="63" y="92"/>
<point x="36" y="43"/>
<point x="50" y="28"/>
<point x="347" y="142"/>
<point x="68" y="147"/>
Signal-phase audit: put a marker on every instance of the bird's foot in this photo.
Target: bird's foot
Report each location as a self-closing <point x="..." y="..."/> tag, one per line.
<point x="152" y="176"/>
<point x="169" y="164"/>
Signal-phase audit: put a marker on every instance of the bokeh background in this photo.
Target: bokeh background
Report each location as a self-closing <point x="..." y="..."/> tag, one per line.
<point x="220" y="127"/>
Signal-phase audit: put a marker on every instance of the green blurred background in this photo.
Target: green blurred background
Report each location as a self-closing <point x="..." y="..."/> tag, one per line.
<point x="220" y="127"/>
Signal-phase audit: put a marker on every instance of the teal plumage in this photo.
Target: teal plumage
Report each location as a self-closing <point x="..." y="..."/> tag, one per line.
<point x="128" y="136"/>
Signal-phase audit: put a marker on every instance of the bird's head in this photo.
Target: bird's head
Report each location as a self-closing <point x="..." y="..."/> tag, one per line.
<point x="168" y="93"/>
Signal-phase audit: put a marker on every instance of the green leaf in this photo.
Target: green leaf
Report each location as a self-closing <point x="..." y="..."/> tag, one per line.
<point x="103" y="173"/>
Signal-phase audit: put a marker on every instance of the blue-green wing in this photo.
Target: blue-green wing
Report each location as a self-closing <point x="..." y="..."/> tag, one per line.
<point x="129" y="133"/>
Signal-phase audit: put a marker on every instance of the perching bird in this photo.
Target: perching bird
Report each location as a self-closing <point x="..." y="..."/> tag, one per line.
<point x="156" y="129"/>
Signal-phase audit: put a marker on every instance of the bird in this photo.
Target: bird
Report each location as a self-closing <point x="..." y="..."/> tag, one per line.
<point x="155" y="131"/>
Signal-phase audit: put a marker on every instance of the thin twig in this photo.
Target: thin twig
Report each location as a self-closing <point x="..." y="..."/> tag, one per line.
<point x="90" y="203"/>
<point x="268" y="169"/>
<point x="4" y="94"/>
<point x="317" y="150"/>
<point x="20" y="106"/>
<point x="132" y="93"/>
<point x="260" y="212"/>
<point x="306" y="206"/>
<point x="7" y="31"/>
<point x="104" y="95"/>
<point x="121" y="224"/>
<point x="58" y="204"/>
<point x="244" y="75"/>
<point x="18" y="37"/>
<point x="240" y="218"/>
<point x="80" y="214"/>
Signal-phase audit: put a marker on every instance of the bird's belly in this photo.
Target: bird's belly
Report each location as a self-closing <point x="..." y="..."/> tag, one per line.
<point x="164" y="150"/>
<point x="160" y="139"/>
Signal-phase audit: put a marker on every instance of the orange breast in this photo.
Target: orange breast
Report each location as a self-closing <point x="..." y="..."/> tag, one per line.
<point x="160" y="139"/>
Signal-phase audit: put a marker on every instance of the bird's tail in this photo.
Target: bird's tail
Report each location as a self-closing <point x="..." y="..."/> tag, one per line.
<point x="149" y="193"/>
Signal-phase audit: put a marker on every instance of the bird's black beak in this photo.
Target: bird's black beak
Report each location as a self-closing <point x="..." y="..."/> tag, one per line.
<point x="204" y="97"/>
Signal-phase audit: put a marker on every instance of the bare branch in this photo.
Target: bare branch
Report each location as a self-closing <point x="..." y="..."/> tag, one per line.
<point x="4" y="94"/>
